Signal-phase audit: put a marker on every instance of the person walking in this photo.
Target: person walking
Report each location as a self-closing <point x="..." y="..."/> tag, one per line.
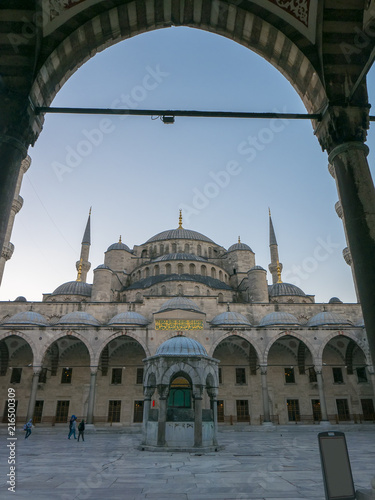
<point x="81" y="430"/>
<point x="72" y="426"/>
<point x="27" y="427"/>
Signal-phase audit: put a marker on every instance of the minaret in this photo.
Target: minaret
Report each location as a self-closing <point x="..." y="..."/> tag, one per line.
<point x="275" y="267"/>
<point x="83" y="265"/>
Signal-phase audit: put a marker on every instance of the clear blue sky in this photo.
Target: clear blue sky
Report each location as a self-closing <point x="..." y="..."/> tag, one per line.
<point x="137" y="172"/>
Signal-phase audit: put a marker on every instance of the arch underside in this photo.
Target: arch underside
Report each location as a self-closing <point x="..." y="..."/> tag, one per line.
<point x="133" y="18"/>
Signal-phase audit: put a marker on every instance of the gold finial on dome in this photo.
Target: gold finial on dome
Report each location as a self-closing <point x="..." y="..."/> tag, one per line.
<point x="269" y="211"/>
<point x="278" y="268"/>
<point x="90" y="211"/>
<point x="79" y="271"/>
<point x="180" y="220"/>
<point x="239" y="239"/>
<point x="120" y="239"/>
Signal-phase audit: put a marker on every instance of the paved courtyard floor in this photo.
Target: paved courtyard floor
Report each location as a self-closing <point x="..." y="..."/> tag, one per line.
<point x="256" y="464"/>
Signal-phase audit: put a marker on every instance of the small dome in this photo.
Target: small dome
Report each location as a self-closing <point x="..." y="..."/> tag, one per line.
<point x="239" y="246"/>
<point x="78" y="318"/>
<point x="102" y="266"/>
<point x="179" y="303"/>
<point x="179" y="233"/>
<point x="279" y="318"/>
<point x="20" y="299"/>
<point x="257" y="268"/>
<point x="119" y="246"/>
<point x="128" y="318"/>
<point x="179" y="256"/>
<point x="27" y="318"/>
<point x="230" y="318"/>
<point x="328" y="318"/>
<point x="335" y="300"/>
<point x="181" y="346"/>
<point x="74" y="288"/>
<point x="281" y="289"/>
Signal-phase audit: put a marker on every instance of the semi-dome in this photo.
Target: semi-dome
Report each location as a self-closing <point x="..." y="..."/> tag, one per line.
<point x="27" y="318"/>
<point x="239" y="246"/>
<point x="197" y="278"/>
<point x="279" y="318"/>
<point x="257" y="268"/>
<point x="119" y="246"/>
<point x="335" y="300"/>
<point x="74" y="288"/>
<point x="179" y="256"/>
<point x="230" y="318"/>
<point x="282" y="289"/>
<point x="78" y="318"/>
<point x="179" y="233"/>
<point x="179" y="303"/>
<point x="326" y="318"/>
<point x="181" y="346"/>
<point x="128" y="318"/>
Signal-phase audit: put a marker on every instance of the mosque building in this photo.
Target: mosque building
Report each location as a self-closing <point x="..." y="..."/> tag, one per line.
<point x="265" y="353"/>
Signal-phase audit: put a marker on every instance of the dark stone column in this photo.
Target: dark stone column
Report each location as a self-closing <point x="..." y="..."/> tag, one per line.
<point x="12" y="152"/>
<point x="148" y="392"/>
<point x="323" y="406"/>
<point x="90" y="405"/>
<point x="342" y="133"/>
<point x="198" y="416"/>
<point x="266" y="405"/>
<point x="34" y="388"/>
<point x="357" y="198"/>
<point x="163" y="395"/>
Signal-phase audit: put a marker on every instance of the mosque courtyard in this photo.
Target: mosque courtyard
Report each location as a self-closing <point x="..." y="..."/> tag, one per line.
<point x="255" y="464"/>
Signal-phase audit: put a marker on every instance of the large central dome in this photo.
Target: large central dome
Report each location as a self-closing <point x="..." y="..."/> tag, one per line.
<point x="179" y="233"/>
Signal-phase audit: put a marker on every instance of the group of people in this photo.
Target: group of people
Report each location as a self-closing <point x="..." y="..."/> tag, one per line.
<point x="73" y="426"/>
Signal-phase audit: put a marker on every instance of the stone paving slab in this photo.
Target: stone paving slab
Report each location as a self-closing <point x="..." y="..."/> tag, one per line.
<point x="280" y="464"/>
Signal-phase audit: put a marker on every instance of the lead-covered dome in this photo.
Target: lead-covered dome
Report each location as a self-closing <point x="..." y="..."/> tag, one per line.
<point x="179" y="233"/>
<point x="74" y="288"/>
<point x="282" y="289"/>
<point x="230" y="318"/>
<point x="239" y="246"/>
<point x="78" y="318"/>
<point x="181" y="346"/>
<point x="27" y="318"/>
<point x="279" y="318"/>
<point x="119" y="246"/>
<point x="128" y="318"/>
<point x="326" y="318"/>
<point x="179" y="303"/>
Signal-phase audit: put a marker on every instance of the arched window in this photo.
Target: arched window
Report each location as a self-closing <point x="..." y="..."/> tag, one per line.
<point x="221" y="275"/>
<point x="161" y="249"/>
<point x="203" y="271"/>
<point x="220" y="297"/>
<point x="147" y="272"/>
<point x="199" y="250"/>
<point x="168" y="269"/>
<point x="196" y="290"/>
<point x="138" y="297"/>
<point x="180" y="290"/>
<point x="156" y="270"/>
<point x="139" y="275"/>
<point x="166" y="248"/>
<point x="192" y="268"/>
<point x="163" y="290"/>
<point x="174" y="248"/>
<point x="144" y="253"/>
<point x="179" y="393"/>
<point x="213" y="272"/>
<point x="180" y="269"/>
<point x="187" y="248"/>
<point x="209" y="252"/>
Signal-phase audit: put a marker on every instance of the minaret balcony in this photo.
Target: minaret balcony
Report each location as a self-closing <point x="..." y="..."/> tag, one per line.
<point x="347" y="256"/>
<point x="338" y="209"/>
<point x="7" y="251"/>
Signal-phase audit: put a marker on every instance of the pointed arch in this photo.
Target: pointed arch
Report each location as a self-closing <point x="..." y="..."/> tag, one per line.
<point x="235" y="333"/>
<point x="349" y="334"/>
<point x="70" y="333"/>
<point x="291" y="334"/>
<point x="115" y="335"/>
<point x="26" y="338"/>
